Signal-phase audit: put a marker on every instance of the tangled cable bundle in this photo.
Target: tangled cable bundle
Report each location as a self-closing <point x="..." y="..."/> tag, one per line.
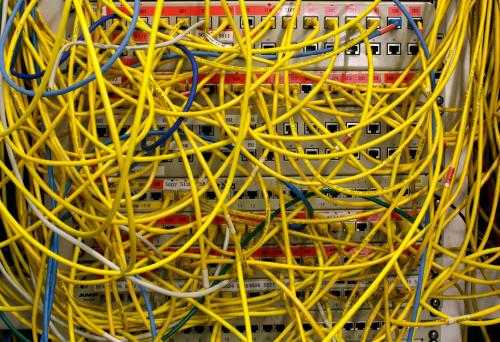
<point x="154" y="165"/>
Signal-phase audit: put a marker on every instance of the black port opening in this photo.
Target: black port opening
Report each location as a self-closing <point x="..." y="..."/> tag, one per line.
<point x="299" y="294"/>
<point x="223" y="19"/>
<point x="123" y="130"/>
<point x="353" y="50"/>
<point x="311" y="151"/>
<point x="226" y="152"/>
<point x="157" y="196"/>
<point x="254" y="328"/>
<point x="251" y="22"/>
<point x="356" y="155"/>
<point x="270" y="156"/>
<point x="225" y="330"/>
<point x="187" y="331"/>
<point x="252" y="194"/>
<point x="287" y="129"/>
<point x="349" y="326"/>
<point x="310" y="48"/>
<point x="280" y="327"/>
<point x="413" y="49"/>
<point x="351" y="124"/>
<point x="199" y="329"/>
<point x="240" y="328"/>
<point x="253" y="294"/>
<point x="393" y="49"/>
<point x="293" y="195"/>
<point x="373" y="128"/>
<point x="347" y="293"/>
<point x="375" y="47"/>
<point x="102" y="132"/>
<point x="211" y="195"/>
<point x="268" y="46"/>
<point x="360" y="325"/>
<point x="142" y="198"/>
<point x="306" y="326"/>
<point x="328" y="46"/>
<point x="418" y="20"/>
<point x="190" y="158"/>
<point x="374" y="153"/>
<point x="361" y="226"/>
<point x="391" y="150"/>
<point x="375" y="326"/>
<point x="206" y="155"/>
<point x="336" y="293"/>
<point x="271" y="194"/>
<point x="267" y="327"/>
<point x="306" y="88"/>
<point x="308" y="130"/>
<point x="207" y="130"/>
<point x="332" y="127"/>
<point x="211" y="88"/>
<point x="252" y="152"/>
<point x="413" y="153"/>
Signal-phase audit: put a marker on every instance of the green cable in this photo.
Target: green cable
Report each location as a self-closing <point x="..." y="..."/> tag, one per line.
<point x="12" y="328"/>
<point x="258" y="229"/>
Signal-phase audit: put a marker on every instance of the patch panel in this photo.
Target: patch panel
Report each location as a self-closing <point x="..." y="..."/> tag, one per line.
<point x="320" y="14"/>
<point x="267" y="331"/>
<point x="332" y="119"/>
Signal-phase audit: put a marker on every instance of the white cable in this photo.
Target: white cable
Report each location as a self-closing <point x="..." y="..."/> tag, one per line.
<point x="111" y="338"/>
<point x="115" y="47"/>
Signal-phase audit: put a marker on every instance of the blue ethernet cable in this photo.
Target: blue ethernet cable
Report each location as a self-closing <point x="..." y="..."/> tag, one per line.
<point x="77" y="85"/>
<point x="192" y="95"/>
<point x="149" y="308"/>
<point x="423" y="257"/>
<point x="52" y="264"/>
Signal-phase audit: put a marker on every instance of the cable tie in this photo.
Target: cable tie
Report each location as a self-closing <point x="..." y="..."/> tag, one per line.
<point x="215" y="42"/>
<point x="449" y="177"/>
<point x="347" y="138"/>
